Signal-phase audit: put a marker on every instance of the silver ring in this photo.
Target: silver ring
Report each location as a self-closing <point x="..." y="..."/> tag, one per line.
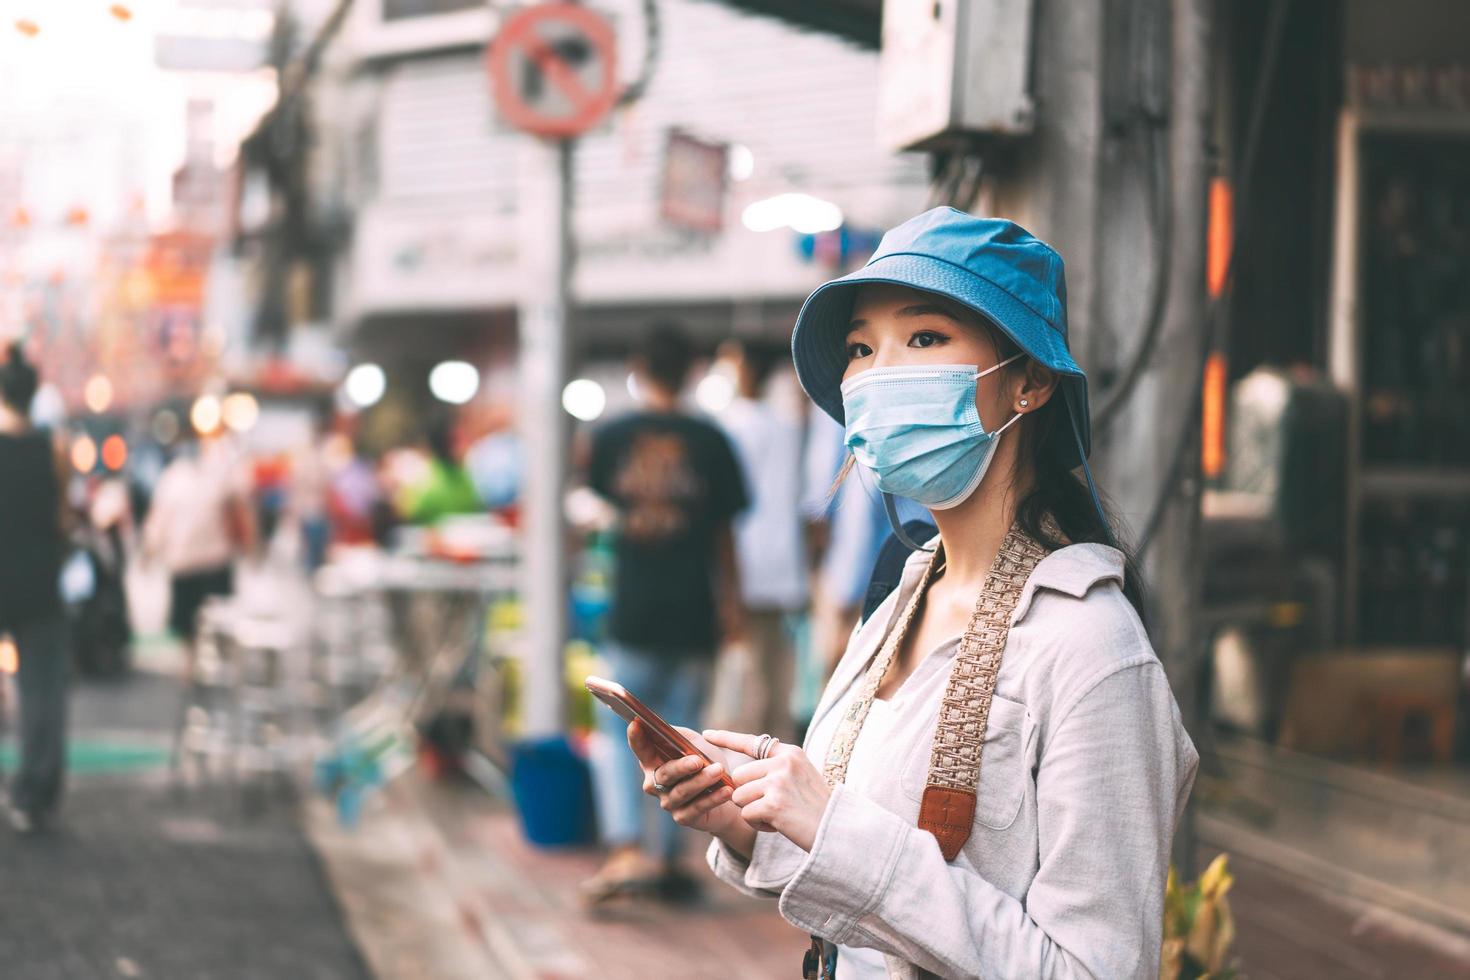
<point x="659" y="787"/>
<point x="767" y="745"/>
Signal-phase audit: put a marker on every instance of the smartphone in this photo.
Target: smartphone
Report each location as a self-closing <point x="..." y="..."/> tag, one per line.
<point x="670" y="741"/>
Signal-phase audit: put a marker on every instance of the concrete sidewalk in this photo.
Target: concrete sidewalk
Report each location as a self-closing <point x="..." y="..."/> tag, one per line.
<point x="504" y="908"/>
<point x="439" y="882"/>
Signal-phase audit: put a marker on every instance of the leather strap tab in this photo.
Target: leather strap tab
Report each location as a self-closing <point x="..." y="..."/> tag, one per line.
<point x="947" y="814"/>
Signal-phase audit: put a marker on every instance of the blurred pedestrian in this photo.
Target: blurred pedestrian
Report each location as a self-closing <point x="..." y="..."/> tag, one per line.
<point x="102" y="632"/>
<point x="32" y="535"/>
<point x="445" y="488"/>
<point x="355" y="500"/>
<point x="676" y="486"/>
<point x="768" y="535"/>
<point x="992" y="784"/>
<point x="496" y="464"/>
<point x="848" y="528"/>
<point x="311" y="477"/>
<point x="200" y="521"/>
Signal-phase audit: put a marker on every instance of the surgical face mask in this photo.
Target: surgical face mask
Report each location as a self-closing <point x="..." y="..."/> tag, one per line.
<point x="918" y="431"/>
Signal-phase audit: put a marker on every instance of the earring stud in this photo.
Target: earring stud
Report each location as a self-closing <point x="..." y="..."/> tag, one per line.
<point x="1024" y="403"/>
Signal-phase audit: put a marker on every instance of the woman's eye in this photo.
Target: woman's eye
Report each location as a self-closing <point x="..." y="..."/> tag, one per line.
<point x="925" y="338"/>
<point x="856" y="350"/>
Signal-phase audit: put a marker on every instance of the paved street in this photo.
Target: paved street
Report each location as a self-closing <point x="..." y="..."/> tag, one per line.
<point x="142" y="880"/>
<point x="137" y="884"/>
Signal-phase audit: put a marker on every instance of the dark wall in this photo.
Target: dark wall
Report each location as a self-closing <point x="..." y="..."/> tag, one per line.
<point x="1283" y="217"/>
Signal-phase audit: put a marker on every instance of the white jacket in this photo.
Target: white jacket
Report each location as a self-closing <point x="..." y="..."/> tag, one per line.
<point x="1085" y="771"/>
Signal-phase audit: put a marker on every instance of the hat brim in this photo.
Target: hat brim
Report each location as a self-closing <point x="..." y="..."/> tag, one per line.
<point x="817" y="343"/>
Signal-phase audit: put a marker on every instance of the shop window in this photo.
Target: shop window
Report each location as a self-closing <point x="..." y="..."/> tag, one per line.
<point x="1416" y="287"/>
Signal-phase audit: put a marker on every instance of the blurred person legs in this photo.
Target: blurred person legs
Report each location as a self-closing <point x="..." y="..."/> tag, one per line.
<point x="316" y="535"/>
<point x="766" y="434"/>
<point x="773" y="657"/>
<point x="42" y="685"/>
<point x="188" y="591"/>
<point x="644" y="841"/>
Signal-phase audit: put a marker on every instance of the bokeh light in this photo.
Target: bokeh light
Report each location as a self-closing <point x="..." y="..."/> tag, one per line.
<point x="98" y="393"/>
<point x="584" y="399"/>
<point x="742" y="162"/>
<point x="114" y="452"/>
<point x="83" y="454"/>
<point x="454" y="382"/>
<point x="801" y="213"/>
<point x="715" y="392"/>
<point x="240" y="411"/>
<point x="206" y="415"/>
<point x="365" y="385"/>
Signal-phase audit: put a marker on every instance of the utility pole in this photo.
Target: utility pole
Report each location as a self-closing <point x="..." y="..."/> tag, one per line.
<point x="1174" y="571"/>
<point x="1079" y="183"/>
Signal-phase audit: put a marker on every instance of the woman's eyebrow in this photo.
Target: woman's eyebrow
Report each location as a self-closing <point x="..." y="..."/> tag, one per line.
<point x="917" y="309"/>
<point x="924" y="309"/>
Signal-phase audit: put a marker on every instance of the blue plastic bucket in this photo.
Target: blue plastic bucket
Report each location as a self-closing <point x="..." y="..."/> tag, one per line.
<point x="553" y="792"/>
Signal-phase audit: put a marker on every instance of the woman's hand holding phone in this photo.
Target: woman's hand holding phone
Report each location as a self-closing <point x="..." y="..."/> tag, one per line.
<point x="695" y="797"/>
<point x="783" y="793"/>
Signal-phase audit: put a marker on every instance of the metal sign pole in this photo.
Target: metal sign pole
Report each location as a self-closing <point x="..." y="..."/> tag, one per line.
<point x="545" y="257"/>
<point x="553" y="72"/>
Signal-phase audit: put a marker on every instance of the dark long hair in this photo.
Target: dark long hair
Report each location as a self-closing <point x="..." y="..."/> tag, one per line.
<point x="1057" y="490"/>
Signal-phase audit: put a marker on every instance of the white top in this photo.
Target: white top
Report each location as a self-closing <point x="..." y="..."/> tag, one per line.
<point x="187" y="526"/>
<point x="768" y="536"/>
<point x="889" y="720"/>
<point x="855" y="962"/>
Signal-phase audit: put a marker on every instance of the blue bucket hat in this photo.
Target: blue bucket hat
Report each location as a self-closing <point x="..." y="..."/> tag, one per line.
<point x="990" y="265"/>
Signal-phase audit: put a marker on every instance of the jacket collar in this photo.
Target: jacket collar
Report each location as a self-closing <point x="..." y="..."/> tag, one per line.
<point x="1072" y="570"/>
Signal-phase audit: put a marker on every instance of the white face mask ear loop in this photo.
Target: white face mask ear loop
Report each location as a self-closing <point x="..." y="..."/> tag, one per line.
<point x="1014" y="419"/>
<point x="991" y="370"/>
<point x="996" y="367"/>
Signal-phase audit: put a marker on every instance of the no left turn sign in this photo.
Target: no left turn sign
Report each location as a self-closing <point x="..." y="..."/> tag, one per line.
<point x="553" y="69"/>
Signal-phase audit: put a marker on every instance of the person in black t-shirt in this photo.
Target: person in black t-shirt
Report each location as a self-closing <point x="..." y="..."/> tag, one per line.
<point x="676" y="486"/>
<point x="31" y="546"/>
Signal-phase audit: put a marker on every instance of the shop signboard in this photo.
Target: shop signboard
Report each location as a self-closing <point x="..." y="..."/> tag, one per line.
<point x="692" y="193"/>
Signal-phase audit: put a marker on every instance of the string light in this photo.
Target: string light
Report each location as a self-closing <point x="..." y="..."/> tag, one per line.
<point x="114" y="452"/>
<point x="84" y="454"/>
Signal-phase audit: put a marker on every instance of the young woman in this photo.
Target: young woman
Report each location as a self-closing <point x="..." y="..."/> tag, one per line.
<point x="991" y="782"/>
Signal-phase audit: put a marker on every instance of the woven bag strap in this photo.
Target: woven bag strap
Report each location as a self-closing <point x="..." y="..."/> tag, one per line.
<point x="947" y="809"/>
